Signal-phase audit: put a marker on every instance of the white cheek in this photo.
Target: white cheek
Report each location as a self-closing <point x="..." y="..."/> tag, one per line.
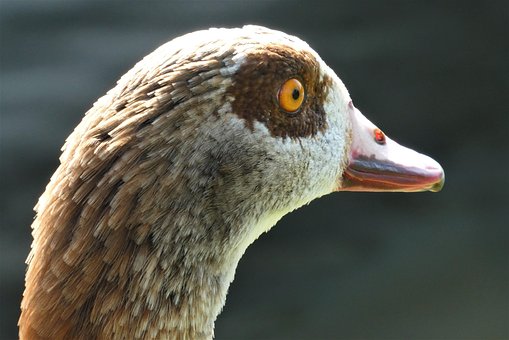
<point x="325" y="162"/>
<point x="313" y="164"/>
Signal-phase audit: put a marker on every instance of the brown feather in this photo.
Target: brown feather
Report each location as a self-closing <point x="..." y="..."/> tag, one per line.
<point x="137" y="234"/>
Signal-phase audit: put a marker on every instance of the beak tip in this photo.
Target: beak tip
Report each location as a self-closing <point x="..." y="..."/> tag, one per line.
<point x="437" y="186"/>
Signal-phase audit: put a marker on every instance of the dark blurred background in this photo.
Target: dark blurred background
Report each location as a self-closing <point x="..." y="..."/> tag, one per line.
<point x="433" y="74"/>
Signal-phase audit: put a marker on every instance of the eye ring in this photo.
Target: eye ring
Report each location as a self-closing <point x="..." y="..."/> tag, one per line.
<point x="379" y="136"/>
<point x="291" y="95"/>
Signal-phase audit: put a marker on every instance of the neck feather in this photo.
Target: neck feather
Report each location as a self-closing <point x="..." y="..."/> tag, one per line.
<point x="117" y="254"/>
<point x="170" y="284"/>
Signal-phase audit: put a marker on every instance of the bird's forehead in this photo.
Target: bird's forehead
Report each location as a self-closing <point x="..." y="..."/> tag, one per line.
<point x="263" y="35"/>
<point x="254" y="41"/>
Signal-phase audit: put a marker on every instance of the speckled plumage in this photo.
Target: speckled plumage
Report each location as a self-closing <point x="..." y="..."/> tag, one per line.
<point x="168" y="179"/>
<point x="141" y="227"/>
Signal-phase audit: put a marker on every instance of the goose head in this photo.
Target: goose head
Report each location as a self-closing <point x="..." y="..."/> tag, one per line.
<point x="200" y="148"/>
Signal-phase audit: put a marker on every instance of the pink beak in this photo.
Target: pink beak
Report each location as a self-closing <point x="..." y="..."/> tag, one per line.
<point x="377" y="163"/>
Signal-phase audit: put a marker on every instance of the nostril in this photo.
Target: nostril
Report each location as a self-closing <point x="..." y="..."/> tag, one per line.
<point x="379" y="136"/>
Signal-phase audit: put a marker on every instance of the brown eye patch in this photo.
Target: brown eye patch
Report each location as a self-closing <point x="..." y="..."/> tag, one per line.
<point x="256" y="87"/>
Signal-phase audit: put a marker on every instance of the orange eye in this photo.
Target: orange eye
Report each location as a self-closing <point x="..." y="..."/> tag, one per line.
<point x="291" y="95"/>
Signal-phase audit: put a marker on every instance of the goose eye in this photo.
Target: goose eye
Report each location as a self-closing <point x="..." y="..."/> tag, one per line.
<point x="291" y="95"/>
<point x="379" y="136"/>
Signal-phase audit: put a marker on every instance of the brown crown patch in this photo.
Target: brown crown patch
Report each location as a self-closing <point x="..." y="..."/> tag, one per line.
<point x="258" y="80"/>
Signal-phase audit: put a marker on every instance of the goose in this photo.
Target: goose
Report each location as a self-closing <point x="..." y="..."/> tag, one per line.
<point x="199" y="149"/>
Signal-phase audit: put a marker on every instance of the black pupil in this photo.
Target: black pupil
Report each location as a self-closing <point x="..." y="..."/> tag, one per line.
<point x="295" y="94"/>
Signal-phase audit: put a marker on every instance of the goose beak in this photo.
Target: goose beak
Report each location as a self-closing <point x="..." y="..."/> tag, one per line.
<point x="377" y="163"/>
